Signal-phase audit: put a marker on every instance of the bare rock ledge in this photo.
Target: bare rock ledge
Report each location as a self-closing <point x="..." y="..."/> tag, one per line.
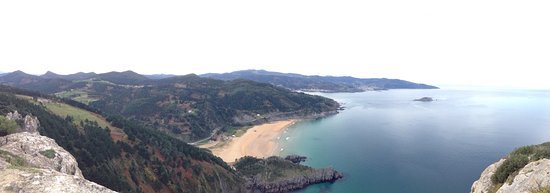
<point x="33" y="163"/>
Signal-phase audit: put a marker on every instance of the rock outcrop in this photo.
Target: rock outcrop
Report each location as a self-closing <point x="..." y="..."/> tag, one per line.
<point x="41" y="152"/>
<point x="532" y="178"/>
<point x="484" y="184"/>
<point x="33" y="163"/>
<point x="425" y="99"/>
<point x="28" y="123"/>
<point x="256" y="184"/>
<point x="42" y="180"/>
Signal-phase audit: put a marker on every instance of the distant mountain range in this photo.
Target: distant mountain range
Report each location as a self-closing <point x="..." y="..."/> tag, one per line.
<point x="319" y="83"/>
<point x="51" y="82"/>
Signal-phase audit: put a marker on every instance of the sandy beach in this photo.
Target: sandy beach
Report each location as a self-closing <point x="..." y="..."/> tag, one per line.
<point x="259" y="141"/>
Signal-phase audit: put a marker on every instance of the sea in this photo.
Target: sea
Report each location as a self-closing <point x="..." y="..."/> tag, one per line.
<point x="384" y="142"/>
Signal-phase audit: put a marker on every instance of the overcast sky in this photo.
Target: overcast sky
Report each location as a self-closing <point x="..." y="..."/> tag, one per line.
<point x="466" y="42"/>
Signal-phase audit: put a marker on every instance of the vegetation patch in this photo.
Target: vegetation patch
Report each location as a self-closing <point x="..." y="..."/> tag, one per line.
<point x="270" y="169"/>
<point x="7" y="126"/>
<point x="518" y="159"/>
<point x="50" y="153"/>
<point x="77" y="95"/>
<point x="14" y="160"/>
<point x="541" y="190"/>
<point x="237" y="131"/>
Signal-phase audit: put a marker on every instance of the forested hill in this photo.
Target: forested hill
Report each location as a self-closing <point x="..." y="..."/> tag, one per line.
<point x="320" y="83"/>
<point x="120" y="154"/>
<point x="187" y="107"/>
<point x="190" y="107"/>
<point x="51" y="82"/>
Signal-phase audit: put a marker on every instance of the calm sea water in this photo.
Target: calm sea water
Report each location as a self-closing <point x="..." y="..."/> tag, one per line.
<point x="386" y="143"/>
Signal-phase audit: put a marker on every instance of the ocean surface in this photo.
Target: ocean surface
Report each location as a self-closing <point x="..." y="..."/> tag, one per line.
<point x="384" y="142"/>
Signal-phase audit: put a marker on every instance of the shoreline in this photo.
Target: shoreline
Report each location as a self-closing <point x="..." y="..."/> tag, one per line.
<point x="260" y="141"/>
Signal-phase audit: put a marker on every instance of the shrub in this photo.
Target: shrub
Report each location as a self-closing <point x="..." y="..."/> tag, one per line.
<point x="510" y="165"/>
<point x="50" y="153"/>
<point x="518" y="159"/>
<point x="7" y="126"/>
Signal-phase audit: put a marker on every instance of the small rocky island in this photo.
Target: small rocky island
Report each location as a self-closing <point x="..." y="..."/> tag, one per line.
<point x="425" y="99"/>
<point x="277" y="175"/>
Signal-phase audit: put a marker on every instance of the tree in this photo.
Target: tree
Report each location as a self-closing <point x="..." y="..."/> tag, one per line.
<point x="7" y="126"/>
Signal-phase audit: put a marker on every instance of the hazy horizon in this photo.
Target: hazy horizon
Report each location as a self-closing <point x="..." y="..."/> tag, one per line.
<point x="483" y="43"/>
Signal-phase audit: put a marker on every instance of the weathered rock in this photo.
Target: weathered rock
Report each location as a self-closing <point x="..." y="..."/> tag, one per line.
<point x="34" y="164"/>
<point x="29" y="147"/>
<point x="533" y="176"/>
<point x="484" y="184"/>
<point x="14" y="116"/>
<point x="29" y="123"/>
<point x="34" y="180"/>
<point x="286" y="185"/>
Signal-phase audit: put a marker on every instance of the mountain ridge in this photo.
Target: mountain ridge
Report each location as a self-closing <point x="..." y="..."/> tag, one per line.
<point x="291" y="81"/>
<point x="319" y="83"/>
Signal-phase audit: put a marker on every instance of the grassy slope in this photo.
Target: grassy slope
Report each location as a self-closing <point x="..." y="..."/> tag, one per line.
<point x="77" y="95"/>
<point x="63" y="110"/>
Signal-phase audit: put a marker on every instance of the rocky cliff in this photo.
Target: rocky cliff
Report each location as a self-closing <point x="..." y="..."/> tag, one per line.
<point x="258" y="184"/>
<point x="526" y="170"/>
<point x="278" y="175"/>
<point x="484" y="184"/>
<point x="33" y="163"/>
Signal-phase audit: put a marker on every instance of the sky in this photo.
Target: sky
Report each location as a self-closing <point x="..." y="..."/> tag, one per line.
<point x="469" y="42"/>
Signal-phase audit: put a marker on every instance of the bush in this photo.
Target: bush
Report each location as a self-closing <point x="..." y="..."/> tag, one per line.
<point x="510" y="165"/>
<point x="50" y="153"/>
<point x="7" y="126"/>
<point x="518" y="159"/>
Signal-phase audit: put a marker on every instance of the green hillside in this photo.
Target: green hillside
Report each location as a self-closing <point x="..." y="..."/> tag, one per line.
<point x="145" y="161"/>
<point x="186" y="107"/>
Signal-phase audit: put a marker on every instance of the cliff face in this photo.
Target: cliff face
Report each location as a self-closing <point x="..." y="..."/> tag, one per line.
<point x="534" y="177"/>
<point x="33" y="163"/>
<point x="278" y="175"/>
<point x="256" y="184"/>
<point x="484" y="184"/>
